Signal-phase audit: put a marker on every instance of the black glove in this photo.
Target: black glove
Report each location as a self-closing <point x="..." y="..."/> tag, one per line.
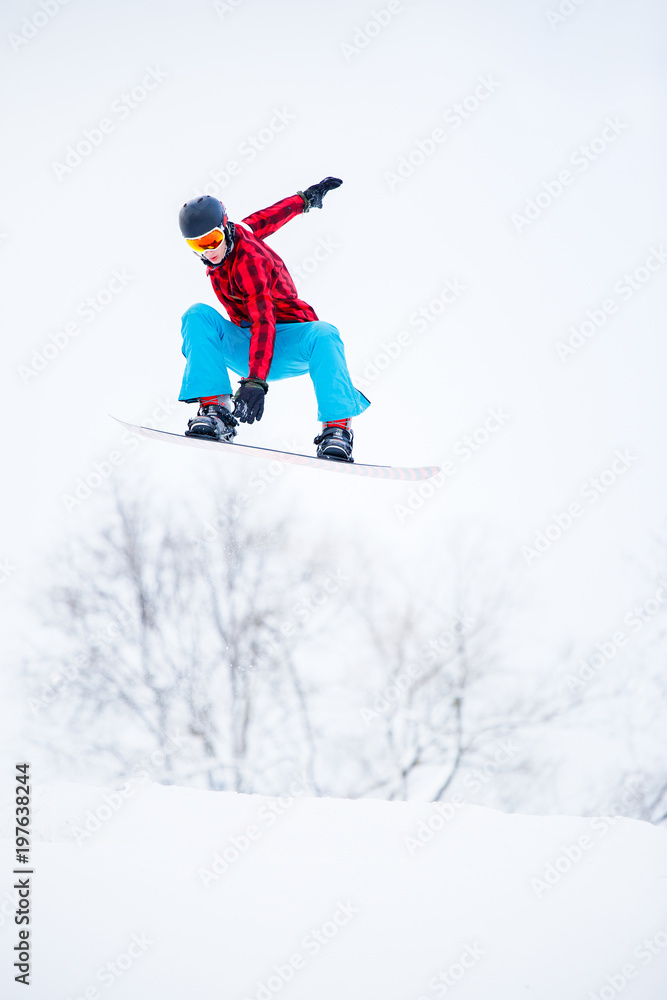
<point x="249" y="400"/>
<point x="313" y="195"/>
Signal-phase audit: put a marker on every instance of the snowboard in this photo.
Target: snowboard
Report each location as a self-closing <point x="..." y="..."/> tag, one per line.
<point x="288" y="457"/>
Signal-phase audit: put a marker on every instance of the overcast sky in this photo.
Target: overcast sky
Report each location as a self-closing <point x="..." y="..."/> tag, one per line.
<point x="496" y="261"/>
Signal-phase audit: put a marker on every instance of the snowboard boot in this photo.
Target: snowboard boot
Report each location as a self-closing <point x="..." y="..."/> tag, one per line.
<point x="335" y="441"/>
<point x="212" y="421"/>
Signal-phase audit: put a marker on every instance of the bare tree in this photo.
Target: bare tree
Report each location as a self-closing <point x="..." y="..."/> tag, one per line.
<point x="623" y="697"/>
<point x="174" y="648"/>
<point x="445" y="691"/>
<point x="233" y="657"/>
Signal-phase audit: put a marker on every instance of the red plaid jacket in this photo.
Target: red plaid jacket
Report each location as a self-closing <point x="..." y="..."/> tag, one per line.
<point x="255" y="286"/>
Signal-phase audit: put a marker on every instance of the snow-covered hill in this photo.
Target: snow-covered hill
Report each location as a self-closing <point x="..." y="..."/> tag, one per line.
<point x="163" y="893"/>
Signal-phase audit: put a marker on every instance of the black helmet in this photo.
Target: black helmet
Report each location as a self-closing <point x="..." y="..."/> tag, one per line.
<point x="201" y="215"/>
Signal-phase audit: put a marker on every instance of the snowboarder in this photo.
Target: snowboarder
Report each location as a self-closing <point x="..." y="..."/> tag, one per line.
<point x="271" y="333"/>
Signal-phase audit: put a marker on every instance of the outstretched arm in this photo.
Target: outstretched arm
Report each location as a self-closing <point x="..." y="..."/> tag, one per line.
<point x="269" y="219"/>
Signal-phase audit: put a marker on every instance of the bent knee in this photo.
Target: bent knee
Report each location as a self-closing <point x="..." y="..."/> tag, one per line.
<point x="200" y="310"/>
<point x="327" y="330"/>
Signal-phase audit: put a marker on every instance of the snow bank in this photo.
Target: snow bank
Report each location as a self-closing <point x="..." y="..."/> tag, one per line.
<point x="165" y="893"/>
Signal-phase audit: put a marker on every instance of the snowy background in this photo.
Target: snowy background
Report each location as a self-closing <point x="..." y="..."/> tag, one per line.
<point x="499" y="246"/>
<point x="178" y="893"/>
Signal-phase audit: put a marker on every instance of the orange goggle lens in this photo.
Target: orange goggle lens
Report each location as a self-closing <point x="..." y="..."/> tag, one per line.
<point x="209" y="241"/>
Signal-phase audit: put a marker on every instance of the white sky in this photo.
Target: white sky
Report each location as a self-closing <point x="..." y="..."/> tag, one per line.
<point x="354" y="116"/>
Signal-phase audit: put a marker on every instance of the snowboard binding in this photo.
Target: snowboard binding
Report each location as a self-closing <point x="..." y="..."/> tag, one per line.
<point x="335" y="443"/>
<point x="213" y="421"/>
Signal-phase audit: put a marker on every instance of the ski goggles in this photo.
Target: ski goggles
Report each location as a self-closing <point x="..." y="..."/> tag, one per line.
<point x="209" y="241"/>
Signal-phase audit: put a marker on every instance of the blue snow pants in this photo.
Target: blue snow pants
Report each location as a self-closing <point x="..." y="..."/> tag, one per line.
<point x="212" y="344"/>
